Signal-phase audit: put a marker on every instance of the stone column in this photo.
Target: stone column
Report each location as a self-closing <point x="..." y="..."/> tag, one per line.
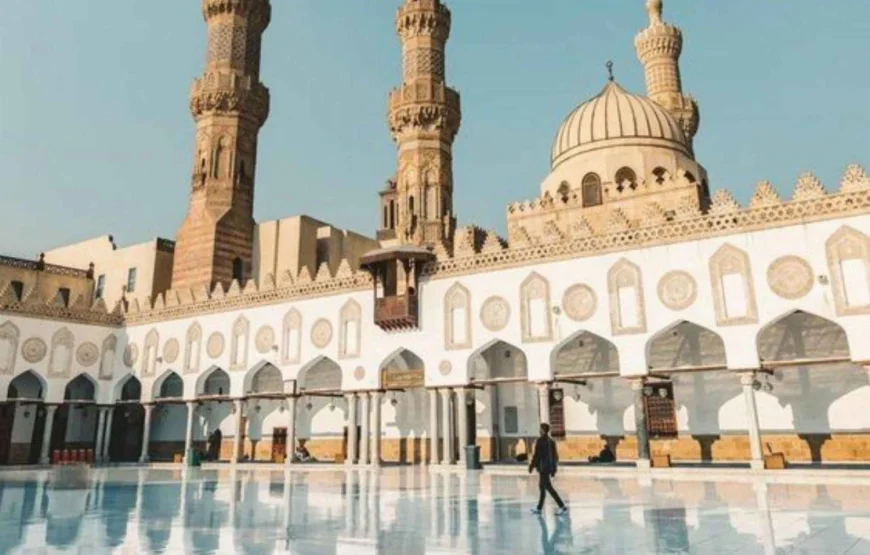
<point x="107" y="434"/>
<point x="433" y="426"/>
<point x="101" y="422"/>
<point x="291" y="430"/>
<point x="376" y="428"/>
<point x="462" y="421"/>
<point x="747" y="380"/>
<point x="364" y="416"/>
<point x="44" y="453"/>
<point x="351" y="428"/>
<point x="637" y="385"/>
<point x="544" y="403"/>
<point x="447" y="444"/>
<point x="146" y="433"/>
<point x="188" y="434"/>
<point x="237" y="438"/>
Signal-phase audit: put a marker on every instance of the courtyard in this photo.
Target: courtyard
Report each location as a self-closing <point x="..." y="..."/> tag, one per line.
<point x="411" y="510"/>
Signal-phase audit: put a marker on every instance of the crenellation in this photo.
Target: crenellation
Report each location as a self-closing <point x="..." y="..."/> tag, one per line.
<point x="854" y="179"/>
<point x="808" y="187"/>
<point x="765" y="195"/>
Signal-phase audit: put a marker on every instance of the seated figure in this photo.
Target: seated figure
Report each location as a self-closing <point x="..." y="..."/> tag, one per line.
<point x="302" y="454"/>
<point x="605" y="456"/>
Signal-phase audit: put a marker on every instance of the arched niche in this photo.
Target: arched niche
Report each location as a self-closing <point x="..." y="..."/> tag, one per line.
<point x="685" y="344"/>
<point x="9" y="338"/>
<point x="60" y="355"/>
<point x="149" y="354"/>
<point x="107" y="357"/>
<point x="239" y="344"/>
<point x="535" y="318"/>
<point x="169" y="386"/>
<point x="192" y="348"/>
<point x="457" y="318"/>
<point x="848" y="253"/>
<point x="801" y="335"/>
<point x="627" y="304"/>
<point x="81" y="388"/>
<point x="350" y="330"/>
<point x="291" y="337"/>
<point x="214" y="383"/>
<point x="733" y="290"/>
<point x="28" y="385"/>
<point x="129" y="389"/>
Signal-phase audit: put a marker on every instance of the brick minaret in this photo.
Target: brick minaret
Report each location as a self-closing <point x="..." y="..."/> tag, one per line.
<point x="229" y="104"/>
<point x="659" y="47"/>
<point x="424" y="117"/>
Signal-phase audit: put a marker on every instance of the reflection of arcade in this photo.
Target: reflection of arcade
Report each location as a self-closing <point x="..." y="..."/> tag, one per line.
<point x="22" y="420"/>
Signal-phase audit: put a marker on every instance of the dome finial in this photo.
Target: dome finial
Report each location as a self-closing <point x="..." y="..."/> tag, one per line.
<point x="609" y="65"/>
<point x="654" y="9"/>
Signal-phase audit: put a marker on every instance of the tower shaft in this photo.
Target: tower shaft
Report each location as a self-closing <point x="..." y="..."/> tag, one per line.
<point x="229" y="105"/>
<point x="424" y="117"/>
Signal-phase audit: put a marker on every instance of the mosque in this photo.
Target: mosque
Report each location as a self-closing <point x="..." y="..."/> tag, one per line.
<point x="628" y="305"/>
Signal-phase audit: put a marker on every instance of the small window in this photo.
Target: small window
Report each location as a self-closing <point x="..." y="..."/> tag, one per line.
<point x="101" y="286"/>
<point x="625" y="177"/>
<point x="660" y="173"/>
<point x="131" y="280"/>
<point x="237" y="270"/>
<point x="411" y="205"/>
<point x="511" y="420"/>
<point x="386" y="218"/>
<point x="18" y="289"/>
<point x="62" y="297"/>
<point x="564" y="191"/>
<point x="591" y="190"/>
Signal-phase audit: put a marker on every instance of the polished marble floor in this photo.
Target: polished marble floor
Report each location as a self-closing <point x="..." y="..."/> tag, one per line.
<point x="412" y="511"/>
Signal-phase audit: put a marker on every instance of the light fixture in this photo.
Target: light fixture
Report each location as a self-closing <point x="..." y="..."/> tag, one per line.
<point x="393" y="400"/>
<point x="469" y="399"/>
<point x="647" y="390"/>
<point x="331" y="406"/>
<point x="257" y="407"/>
<point x="756" y="385"/>
<point x="663" y="393"/>
<point x="557" y="395"/>
<point x="308" y="405"/>
<point x="768" y="387"/>
<point x="577" y="393"/>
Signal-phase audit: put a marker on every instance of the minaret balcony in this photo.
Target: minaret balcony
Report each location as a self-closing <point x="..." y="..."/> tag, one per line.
<point x="395" y="273"/>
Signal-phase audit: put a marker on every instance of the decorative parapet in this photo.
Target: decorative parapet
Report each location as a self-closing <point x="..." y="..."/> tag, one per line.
<point x="31" y="305"/>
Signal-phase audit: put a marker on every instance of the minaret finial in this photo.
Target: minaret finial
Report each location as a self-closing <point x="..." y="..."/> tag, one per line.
<point x="654" y="9"/>
<point x="609" y="70"/>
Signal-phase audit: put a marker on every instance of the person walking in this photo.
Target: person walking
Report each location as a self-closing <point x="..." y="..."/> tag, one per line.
<point x="546" y="462"/>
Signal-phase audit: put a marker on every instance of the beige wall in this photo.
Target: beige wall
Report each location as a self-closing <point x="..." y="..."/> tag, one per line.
<point x="46" y="282"/>
<point x="152" y="260"/>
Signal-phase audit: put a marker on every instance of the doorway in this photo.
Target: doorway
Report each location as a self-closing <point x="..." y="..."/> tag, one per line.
<point x="279" y="445"/>
<point x="36" y="437"/>
<point x="126" y="434"/>
<point x="7" y="419"/>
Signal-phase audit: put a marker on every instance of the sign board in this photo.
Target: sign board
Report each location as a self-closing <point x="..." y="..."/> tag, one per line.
<point x="402" y="379"/>
<point x="661" y="415"/>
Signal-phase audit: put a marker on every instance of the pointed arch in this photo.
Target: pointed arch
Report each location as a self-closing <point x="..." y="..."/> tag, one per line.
<point x="60" y="357"/>
<point x="800" y="335"/>
<point x="733" y="290"/>
<point x="129" y="388"/>
<point x="685" y="344"/>
<point x="9" y="338"/>
<point x="457" y="318"/>
<point x="192" y="348"/>
<point x="108" y="354"/>
<point x="239" y="344"/>
<point x="848" y="254"/>
<point x="168" y="386"/>
<point x="149" y="354"/>
<point x="214" y="383"/>
<point x="265" y="378"/>
<point x="321" y="374"/>
<point x="81" y="388"/>
<point x="537" y="324"/>
<point x="486" y="362"/>
<point x="404" y="367"/>
<point x="291" y="337"/>
<point x="627" y="304"/>
<point x="584" y="353"/>
<point x="350" y="322"/>
<point x="27" y="385"/>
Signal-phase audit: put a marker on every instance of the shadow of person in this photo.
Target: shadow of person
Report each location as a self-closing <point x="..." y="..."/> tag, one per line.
<point x="550" y="544"/>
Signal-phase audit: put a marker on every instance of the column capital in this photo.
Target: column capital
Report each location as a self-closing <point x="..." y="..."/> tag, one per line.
<point x="637" y="383"/>
<point x="747" y="378"/>
<point x="50" y="408"/>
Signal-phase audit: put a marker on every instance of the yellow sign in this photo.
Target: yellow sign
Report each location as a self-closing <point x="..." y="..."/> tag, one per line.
<point x="402" y="379"/>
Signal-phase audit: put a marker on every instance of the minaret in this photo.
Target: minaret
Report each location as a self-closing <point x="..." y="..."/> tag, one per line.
<point x="659" y="47"/>
<point x="229" y="104"/>
<point x="424" y="117"/>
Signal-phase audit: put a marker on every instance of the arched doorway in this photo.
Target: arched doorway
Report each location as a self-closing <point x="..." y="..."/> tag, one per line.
<point x="321" y="423"/>
<point x="75" y="422"/>
<point x="403" y="377"/>
<point x="588" y="398"/>
<point x="169" y="419"/>
<point x="510" y="414"/>
<point x="267" y="429"/>
<point x="217" y="429"/>
<point x="128" y="419"/>
<point x="21" y="435"/>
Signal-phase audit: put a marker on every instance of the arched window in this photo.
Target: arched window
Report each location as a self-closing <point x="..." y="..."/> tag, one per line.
<point x="237" y="269"/>
<point x="591" y="190"/>
<point x="392" y="224"/>
<point x="411" y="205"/>
<point x="386" y="218"/>
<point x="564" y="191"/>
<point x="432" y="203"/>
<point x="218" y="153"/>
<point x="625" y="177"/>
<point x="660" y="173"/>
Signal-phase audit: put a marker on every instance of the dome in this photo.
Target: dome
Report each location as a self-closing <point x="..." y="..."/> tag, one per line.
<point x="617" y="118"/>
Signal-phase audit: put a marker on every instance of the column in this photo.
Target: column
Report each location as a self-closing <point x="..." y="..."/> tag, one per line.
<point x="291" y="430"/>
<point x="101" y="422"/>
<point x="188" y="434"/>
<point x="107" y="434"/>
<point x="462" y="421"/>
<point x="640" y="423"/>
<point x="364" y="416"/>
<point x="237" y="438"/>
<point x="46" y="434"/>
<point x="447" y="444"/>
<point x="433" y="426"/>
<point x="146" y="433"/>
<point x="351" y="428"/>
<point x="376" y="428"/>
<point x="747" y="380"/>
<point x="544" y="402"/>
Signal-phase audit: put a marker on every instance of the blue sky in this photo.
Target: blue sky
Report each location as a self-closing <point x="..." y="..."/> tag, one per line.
<point x="96" y="137"/>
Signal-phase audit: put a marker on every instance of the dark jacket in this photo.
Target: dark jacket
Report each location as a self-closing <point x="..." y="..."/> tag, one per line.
<point x="546" y="457"/>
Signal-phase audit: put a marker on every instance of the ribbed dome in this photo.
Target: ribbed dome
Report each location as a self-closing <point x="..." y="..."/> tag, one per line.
<point x="617" y="118"/>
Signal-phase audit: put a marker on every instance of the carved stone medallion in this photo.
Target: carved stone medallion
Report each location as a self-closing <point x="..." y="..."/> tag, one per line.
<point x="359" y="374"/>
<point x="495" y="313"/>
<point x="579" y="302"/>
<point x="34" y="350"/>
<point x="677" y="290"/>
<point x="170" y="351"/>
<point x="131" y="355"/>
<point x="215" y="345"/>
<point x="87" y="354"/>
<point x="790" y="277"/>
<point x="321" y="333"/>
<point x="265" y="339"/>
<point x="445" y="367"/>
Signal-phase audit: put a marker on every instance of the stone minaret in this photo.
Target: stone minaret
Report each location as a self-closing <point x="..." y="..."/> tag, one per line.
<point x="229" y="104"/>
<point x="659" y="47"/>
<point x="424" y="117"/>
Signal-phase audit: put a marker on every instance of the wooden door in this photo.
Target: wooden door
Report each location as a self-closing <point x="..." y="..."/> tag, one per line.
<point x="279" y="444"/>
<point x="7" y="419"/>
<point x="37" y="436"/>
<point x="58" y="428"/>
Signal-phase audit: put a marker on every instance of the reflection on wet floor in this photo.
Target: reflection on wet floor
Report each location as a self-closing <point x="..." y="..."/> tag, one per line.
<point x="413" y="511"/>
